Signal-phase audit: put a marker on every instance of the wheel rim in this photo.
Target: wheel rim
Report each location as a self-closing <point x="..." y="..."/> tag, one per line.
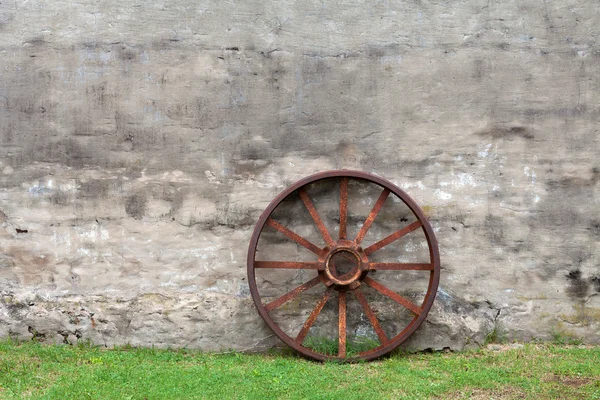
<point x="332" y="281"/>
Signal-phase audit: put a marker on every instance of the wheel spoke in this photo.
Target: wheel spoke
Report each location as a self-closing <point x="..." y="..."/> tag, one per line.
<point x="289" y="265"/>
<point x="376" y="266"/>
<point x="290" y="295"/>
<point x="343" y="207"/>
<point x="393" y="295"/>
<point x="342" y="324"/>
<point x="371" y="315"/>
<point x="372" y="215"/>
<point x="393" y="237"/>
<point x="294" y="236"/>
<point x="313" y="316"/>
<point x="315" y="216"/>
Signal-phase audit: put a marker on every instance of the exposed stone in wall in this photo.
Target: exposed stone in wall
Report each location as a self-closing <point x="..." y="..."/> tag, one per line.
<point x="140" y="142"/>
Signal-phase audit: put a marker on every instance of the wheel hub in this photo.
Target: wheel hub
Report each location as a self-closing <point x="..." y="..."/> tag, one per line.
<point x="345" y="265"/>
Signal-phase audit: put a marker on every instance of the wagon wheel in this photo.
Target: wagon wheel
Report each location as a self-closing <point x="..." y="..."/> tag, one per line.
<point x="349" y="282"/>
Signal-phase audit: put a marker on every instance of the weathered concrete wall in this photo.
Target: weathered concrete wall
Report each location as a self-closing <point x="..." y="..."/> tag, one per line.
<point x="139" y="142"/>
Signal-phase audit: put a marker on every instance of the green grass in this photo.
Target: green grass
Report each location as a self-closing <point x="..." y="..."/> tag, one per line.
<point x="329" y="346"/>
<point x="541" y="371"/>
<point x="496" y="336"/>
<point x="559" y="337"/>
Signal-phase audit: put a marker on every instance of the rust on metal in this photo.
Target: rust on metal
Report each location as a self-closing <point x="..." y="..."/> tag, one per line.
<point x="315" y="216"/>
<point x="372" y="215"/>
<point x="379" y="266"/>
<point x="290" y="295"/>
<point x="288" y="265"/>
<point x="372" y="318"/>
<point x="342" y="324"/>
<point x="313" y="316"/>
<point x="393" y="295"/>
<point x="349" y="277"/>
<point x="339" y="275"/>
<point x="393" y="237"/>
<point x="343" y="207"/>
<point x="294" y="236"/>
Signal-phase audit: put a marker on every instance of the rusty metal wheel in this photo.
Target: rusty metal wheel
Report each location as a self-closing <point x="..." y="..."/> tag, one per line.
<point x="343" y="266"/>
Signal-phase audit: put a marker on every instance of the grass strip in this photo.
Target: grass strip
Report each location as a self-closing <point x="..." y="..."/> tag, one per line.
<point x="540" y="371"/>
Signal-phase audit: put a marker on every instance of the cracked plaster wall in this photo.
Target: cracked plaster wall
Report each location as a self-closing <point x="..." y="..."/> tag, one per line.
<point x="139" y="142"/>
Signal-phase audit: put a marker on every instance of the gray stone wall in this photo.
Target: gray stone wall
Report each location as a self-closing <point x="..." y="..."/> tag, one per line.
<point x="140" y="141"/>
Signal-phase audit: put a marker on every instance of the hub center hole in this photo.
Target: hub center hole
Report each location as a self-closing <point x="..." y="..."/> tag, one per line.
<point x="343" y="263"/>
